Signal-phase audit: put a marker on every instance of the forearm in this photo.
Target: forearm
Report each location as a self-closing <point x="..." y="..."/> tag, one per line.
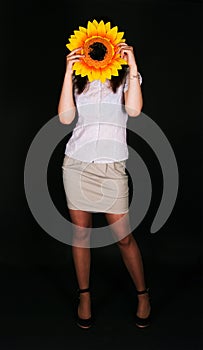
<point x="133" y="96"/>
<point x="66" y="106"/>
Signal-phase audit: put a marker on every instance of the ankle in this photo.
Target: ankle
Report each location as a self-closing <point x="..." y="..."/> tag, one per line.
<point x="143" y="298"/>
<point x="84" y="296"/>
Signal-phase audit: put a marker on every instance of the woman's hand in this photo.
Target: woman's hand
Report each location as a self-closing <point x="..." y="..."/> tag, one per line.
<point x="71" y="58"/>
<point x="127" y="54"/>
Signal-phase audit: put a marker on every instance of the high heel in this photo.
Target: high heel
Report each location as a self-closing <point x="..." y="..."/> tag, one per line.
<point x="140" y="321"/>
<point x="83" y="322"/>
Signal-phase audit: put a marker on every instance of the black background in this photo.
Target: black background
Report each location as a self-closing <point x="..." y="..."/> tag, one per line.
<point x="37" y="273"/>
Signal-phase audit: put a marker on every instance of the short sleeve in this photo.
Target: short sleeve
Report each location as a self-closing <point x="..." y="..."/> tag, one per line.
<point x="125" y="88"/>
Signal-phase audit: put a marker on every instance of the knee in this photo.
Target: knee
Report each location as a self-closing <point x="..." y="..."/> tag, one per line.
<point x="126" y="241"/>
<point x="81" y="234"/>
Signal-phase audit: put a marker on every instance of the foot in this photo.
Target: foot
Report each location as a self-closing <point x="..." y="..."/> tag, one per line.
<point x="144" y="307"/>
<point x="84" y="307"/>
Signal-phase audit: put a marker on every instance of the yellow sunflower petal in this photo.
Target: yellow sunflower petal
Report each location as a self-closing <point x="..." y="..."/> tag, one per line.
<point x="90" y="76"/>
<point x="116" y="64"/>
<point x="118" y="38"/>
<point x="101" y="28"/>
<point x="122" y="61"/>
<point x="95" y="23"/>
<point x="117" y="56"/>
<point x="83" y="71"/>
<point x="82" y="29"/>
<point x="70" y="47"/>
<point x="91" y="29"/>
<point x="95" y="74"/>
<point x="75" y="43"/>
<point x="82" y="68"/>
<point x="79" y="35"/>
<point x="114" y="71"/>
<point x="108" y="26"/>
<point x="112" y="33"/>
<point x="77" y="66"/>
<point x="102" y="75"/>
<point x="108" y="73"/>
<point x="98" y="73"/>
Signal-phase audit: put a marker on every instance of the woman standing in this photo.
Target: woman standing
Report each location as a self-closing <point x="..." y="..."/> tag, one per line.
<point x="87" y="154"/>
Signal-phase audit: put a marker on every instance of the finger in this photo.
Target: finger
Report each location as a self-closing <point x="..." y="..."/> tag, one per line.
<point x="125" y="52"/>
<point x="72" y="62"/>
<point x="121" y="48"/>
<point x="126" y="49"/>
<point x="73" y="57"/>
<point x="74" y="51"/>
<point x="121" y="44"/>
<point x="76" y="60"/>
<point x="77" y="49"/>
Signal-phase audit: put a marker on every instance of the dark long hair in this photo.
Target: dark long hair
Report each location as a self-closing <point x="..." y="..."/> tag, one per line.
<point x="79" y="83"/>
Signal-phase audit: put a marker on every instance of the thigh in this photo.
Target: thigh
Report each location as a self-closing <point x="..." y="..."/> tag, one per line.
<point x="81" y="218"/>
<point x="120" y="224"/>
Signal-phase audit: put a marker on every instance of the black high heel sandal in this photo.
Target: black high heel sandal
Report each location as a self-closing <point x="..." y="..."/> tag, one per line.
<point x="140" y="321"/>
<point x="83" y="322"/>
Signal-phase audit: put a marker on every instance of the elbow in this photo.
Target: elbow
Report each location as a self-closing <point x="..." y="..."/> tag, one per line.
<point x="64" y="120"/>
<point x="66" y="117"/>
<point x="133" y="112"/>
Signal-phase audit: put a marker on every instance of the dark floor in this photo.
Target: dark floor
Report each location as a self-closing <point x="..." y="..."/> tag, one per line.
<point x="37" y="306"/>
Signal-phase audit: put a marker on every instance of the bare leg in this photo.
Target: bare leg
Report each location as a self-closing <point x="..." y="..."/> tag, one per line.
<point x="132" y="258"/>
<point x="82" y="258"/>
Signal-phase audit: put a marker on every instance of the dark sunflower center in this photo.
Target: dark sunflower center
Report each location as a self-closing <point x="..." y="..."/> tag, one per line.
<point x="97" y="51"/>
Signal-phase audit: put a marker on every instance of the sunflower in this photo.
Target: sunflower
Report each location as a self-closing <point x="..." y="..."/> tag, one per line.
<point x="98" y="43"/>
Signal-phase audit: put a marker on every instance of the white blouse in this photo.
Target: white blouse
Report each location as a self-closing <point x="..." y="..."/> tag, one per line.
<point x="100" y="132"/>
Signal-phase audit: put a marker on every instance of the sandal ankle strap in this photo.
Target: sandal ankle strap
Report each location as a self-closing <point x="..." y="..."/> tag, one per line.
<point x="143" y="291"/>
<point x="84" y="290"/>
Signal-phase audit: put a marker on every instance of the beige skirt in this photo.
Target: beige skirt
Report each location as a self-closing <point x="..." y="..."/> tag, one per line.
<point x="96" y="187"/>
